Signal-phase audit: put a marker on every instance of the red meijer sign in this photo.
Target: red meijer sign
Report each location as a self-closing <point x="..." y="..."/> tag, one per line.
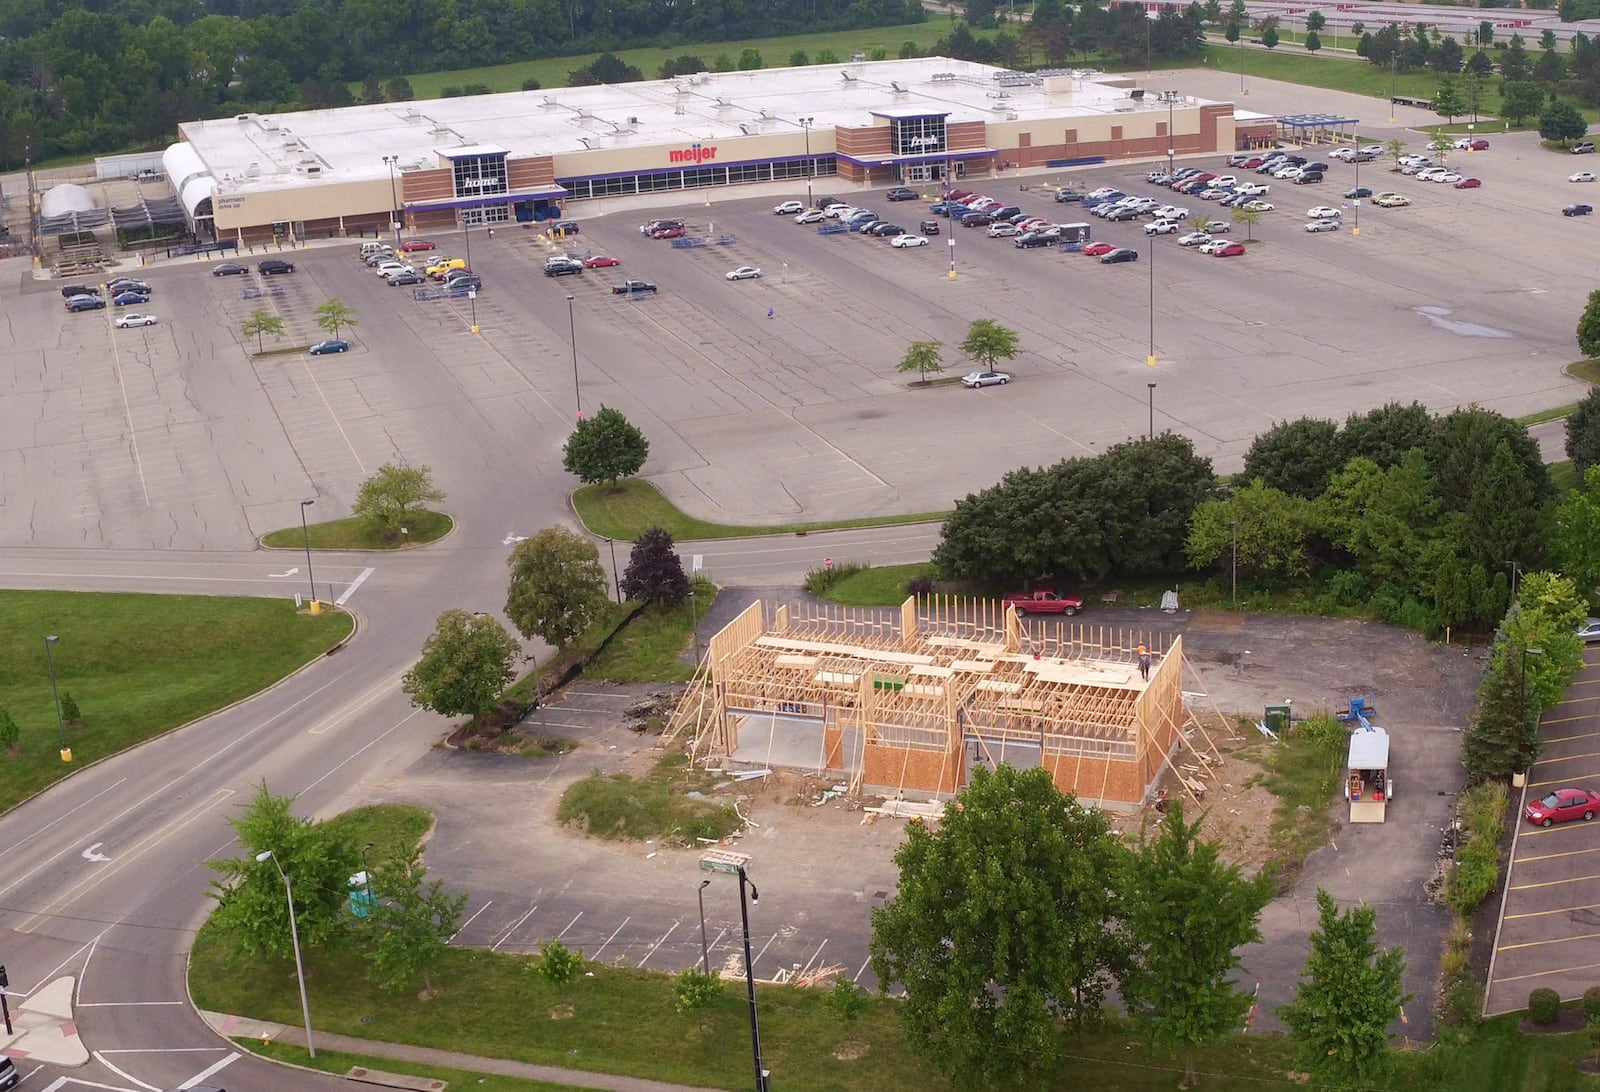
<point x="695" y="153"/>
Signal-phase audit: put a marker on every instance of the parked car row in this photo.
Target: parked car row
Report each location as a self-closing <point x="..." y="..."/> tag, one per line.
<point x="397" y="272"/>
<point x="1025" y="230"/>
<point x="863" y="221"/>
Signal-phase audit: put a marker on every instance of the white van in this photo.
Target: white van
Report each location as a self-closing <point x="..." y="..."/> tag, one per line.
<point x="369" y="249"/>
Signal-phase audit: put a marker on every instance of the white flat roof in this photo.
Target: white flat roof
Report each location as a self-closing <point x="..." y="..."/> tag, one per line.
<point x="253" y="151"/>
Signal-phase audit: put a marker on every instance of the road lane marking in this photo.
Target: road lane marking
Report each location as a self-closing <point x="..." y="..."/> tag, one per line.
<point x="20" y="842"/>
<point x="658" y="943"/>
<point x="215" y="1067"/>
<point x="512" y="928"/>
<point x="468" y="922"/>
<point x="151" y="841"/>
<point x="368" y="697"/>
<point x="609" y="939"/>
<point x="127" y="412"/>
<point x="129" y="1005"/>
<point x="379" y="738"/>
<point x="130" y="1078"/>
<point x="350" y="589"/>
<point x="93" y="853"/>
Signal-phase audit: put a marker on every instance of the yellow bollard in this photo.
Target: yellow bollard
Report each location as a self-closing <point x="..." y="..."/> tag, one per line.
<point x="66" y="754"/>
<point x="316" y="607"/>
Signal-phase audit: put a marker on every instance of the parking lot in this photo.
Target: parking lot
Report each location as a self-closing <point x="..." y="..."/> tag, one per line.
<point x="1465" y="296"/>
<point x="1551" y="919"/>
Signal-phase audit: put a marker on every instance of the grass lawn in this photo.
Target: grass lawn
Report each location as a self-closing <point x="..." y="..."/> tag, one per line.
<point x="138" y="665"/>
<point x="650" y="648"/>
<point x="635" y="506"/>
<point x="391" y="828"/>
<point x="552" y="71"/>
<point x="1586" y="370"/>
<point x="624" y="808"/>
<point x="340" y="1064"/>
<point x="1564" y="476"/>
<point x="878" y="586"/>
<point x="352" y="533"/>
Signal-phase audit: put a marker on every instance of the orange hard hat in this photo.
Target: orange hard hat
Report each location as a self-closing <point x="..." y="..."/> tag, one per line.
<point x="1141" y="648"/>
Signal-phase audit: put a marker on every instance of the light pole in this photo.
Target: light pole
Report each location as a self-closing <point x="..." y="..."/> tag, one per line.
<point x="952" y="242"/>
<point x="1171" y="98"/>
<point x="1391" y="88"/>
<point x="472" y="293"/>
<point x="305" y="533"/>
<point x="294" y="934"/>
<point x="1235" y="598"/>
<point x="705" y="950"/>
<point x="394" y="200"/>
<point x="572" y="331"/>
<point x="366" y="872"/>
<point x="694" y="623"/>
<point x="615" y="583"/>
<point x="1525" y="757"/>
<point x="50" y="663"/>
<point x="1152" y="388"/>
<point x="1150" y="361"/>
<point x="805" y="123"/>
<point x="1239" y="41"/>
<point x="1356" y="160"/>
<point x="750" y="975"/>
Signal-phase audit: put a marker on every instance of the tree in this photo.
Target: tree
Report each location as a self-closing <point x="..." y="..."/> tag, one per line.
<point x="1479" y="65"/>
<point x="1213" y="12"/>
<point x="1385" y="434"/>
<point x="693" y="991"/>
<point x="1561" y="122"/>
<point x="70" y="713"/>
<point x="1447" y="100"/>
<point x="798" y="59"/>
<point x="1237" y="12"/>
<point x="1186" y="915"/>
<point x="398" y="90"/>
<point x="397" y="493"/>
<point x="1447" y="59"/>
<point x="1249" y="218"/>
<point x="1348" y="995"/>
<point x="1463" y="442"/>
<point x="1315" y="21"/>
<point x="1491" y="747"/>
<point x="988" y="342"/>
<point x="1147" y="490"/>
<point x="1003" y="920"/>
<point x="655" y="571"/>
<point x="1396" y="148"/>
<point x="558" y="588"/>
<point x="1032" y="523"/>
<point x="1576" y="545"/>
<point x="1589" y="326"/>
<point x="1387" y="520"/>
<point x="409" y="925"/>
<point x="251" y="902"/>
<point x="334" y="316"/>
<point x="1297" y="457"/>
<point x="1267" y="527"/>
<point x="1313" y="41"/>
<point x="1231" y="32"/>
<point x="465" y="664"/>
<point x="750" y="60"/>
<point x="1503" y="518"/>
<point x="531" y="83"/>
<point x="1520" y="100"/>
<point x="924" y="357"/>
<point x="1583" y="431"/>
<point x="260" y="322"/>
<point x="605" y="447"/>
<point x="1269" y="36"/>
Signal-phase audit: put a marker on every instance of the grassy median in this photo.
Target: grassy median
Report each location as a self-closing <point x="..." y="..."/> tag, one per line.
<point x="633" y="507"/>
<point x="352" y="533"/>
<point x="135" y="666"/>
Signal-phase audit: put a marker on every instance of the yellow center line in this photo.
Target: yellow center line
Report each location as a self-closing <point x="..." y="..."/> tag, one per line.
<point x="1562" y="910"/>
<point x="1549" y="883"/>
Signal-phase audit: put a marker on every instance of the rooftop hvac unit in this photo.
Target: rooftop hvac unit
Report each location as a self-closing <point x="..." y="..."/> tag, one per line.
<point x="1013" y="116"/>
<point x="749" y="130"/>
<point x="548" y="101"/>
<point x="858" y="57"/>
<point x="633" y="121"/>
<point x="846" y="77"/>
<point x="896" y="85"/>
<point x="243" y="117"/>
<point x="1136" y="94"/>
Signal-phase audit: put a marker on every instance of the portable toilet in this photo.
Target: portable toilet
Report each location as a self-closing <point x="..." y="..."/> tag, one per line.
<point x="1367" y="785"/>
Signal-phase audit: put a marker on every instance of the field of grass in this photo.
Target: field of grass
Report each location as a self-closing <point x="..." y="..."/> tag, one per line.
<point x="624" y="808"/>
<point x="635" y="506"/>
<point x="136" y="666"/>
<point x="651" y="646"/>
<point x="391" y="828"/>
<point x="878" y="586"/>
<point x="352" y="533"/>
<point x="552" y="71"/>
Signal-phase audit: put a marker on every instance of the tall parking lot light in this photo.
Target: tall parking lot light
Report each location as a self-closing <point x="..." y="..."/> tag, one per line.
<point x="572" y="331"/>
<point x="50" y="664"/>
<point x="294" y="934"/>
<point x="394" y="200"/>
<point x="806" y="123"/>
<point x="305" y="534"/>
<point x="1152" y="389"/>
<point x="1150" y="361"/>
<point x="734" y="863"/>
<point x="472" y="293"/>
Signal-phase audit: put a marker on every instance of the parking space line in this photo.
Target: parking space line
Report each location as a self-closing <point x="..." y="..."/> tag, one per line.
<point x="713" y="946"/>
<point x="570" y="924"/>
<point x="1562" y="910"/>
<point x="512" y="928"/>
<point x="658" y="943"/>
<point x="863" y="969"/>
<point x="609" y="939"/>
<point x="763" y="950"/>
<point x="1546" y="974"/>
<point x="1549" y="883"/>
<point x="1546" y="759"/>
<point x="1548" y="943"/>
<point x="814" y="956"/>
<point x="469" y="921"/>
<point x="1563" y="853"/>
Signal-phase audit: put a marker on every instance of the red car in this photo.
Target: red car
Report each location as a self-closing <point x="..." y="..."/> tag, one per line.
<point x="600" y="261"/>
<point x="1468" y="184"/>
<point x="1232" y="250"/>
<point x="1480" y="145"/>
<point x="676" y="231"/>
<point x="1094" y="250"/>
<point x="1252" y="163"/>
<point x="412" y="245"/>
<point x="1561" y="805"/>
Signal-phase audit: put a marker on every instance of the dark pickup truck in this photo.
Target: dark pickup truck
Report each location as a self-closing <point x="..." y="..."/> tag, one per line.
<point x="632" y="288"/>
<point x="1045" y="602"/>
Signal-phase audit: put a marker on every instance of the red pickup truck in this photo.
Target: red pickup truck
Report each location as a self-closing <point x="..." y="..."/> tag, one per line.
<point x="1045" y="602"/>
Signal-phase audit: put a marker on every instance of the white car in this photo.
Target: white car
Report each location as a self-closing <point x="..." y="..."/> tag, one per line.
<point x="1371" y="149"/>
<point x="1195" y="238"/>
<point x="1163" y="227"/>
<point x="811" y="216"/>
<point x="1342" y="153"/>
<point x="985" y="379"/>
<point x="1323" y="225"/>
<point x="744" y="273"/>
<point x="1224" y="180"/>
<point x="1172" y="212"/>
<point x="1581" y="176"/>
<point x="835" y="212"/>
<point x="1428" y="174"/>
<point x="1253" y="189"/>
<point x="1323" y="212"/>
<point x="788" y="208"/>
<point x="127" y="322"/>
<point x="1448" y="177"/>
<point x="1001" y="231"/>
<point x="1217" y="227"/>
<point x="1289" y="173"/>
<point x="900" y="242"/>
<point x="1101" y="192"/>
<point x="1213" y="246"/>
<point x="1259" y="206"/>
<point x="385" y="269"/>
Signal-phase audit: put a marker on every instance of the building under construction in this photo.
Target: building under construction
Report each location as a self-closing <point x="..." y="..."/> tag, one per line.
<point x="909" y="701"/>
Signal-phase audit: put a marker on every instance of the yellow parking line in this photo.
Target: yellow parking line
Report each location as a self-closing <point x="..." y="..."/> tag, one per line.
<point x="1567" y="758"/>
<point x="1563" y="853"/>
<point x="1545" y="943"/>
<point x="1543" y="974"/>
<point x="1575" y="735"/>
<point x="1549" y="883"/>
<point x="1563" y="910"/>
<point x="1564" y="720"/>
<point x="1570" y="779"/>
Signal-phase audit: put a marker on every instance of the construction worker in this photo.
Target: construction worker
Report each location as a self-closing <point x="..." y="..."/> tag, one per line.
<point x="1144" y="663"/>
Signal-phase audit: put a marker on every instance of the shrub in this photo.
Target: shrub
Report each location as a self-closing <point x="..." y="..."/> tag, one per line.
<point x="558" y="963"/>
<point x="845" y="1001"/>
<point x="1463" y="1002"/>
<point x="1477" y="871"/>
<point x="919" y="586"/>
<point x="693" y="990"/>
<point x="69" y="709"/>
<point x="1544" y="1006"/>
<point x="10" y="731"/>
<point x="530" y="84"/>
<point x="819" y="580"/>
<point x="1591" y="1002"/>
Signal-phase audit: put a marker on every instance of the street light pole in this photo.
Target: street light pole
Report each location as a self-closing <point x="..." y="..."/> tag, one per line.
<point x="572" y="331"/>
<point x="705" y="950"/>
<point x="1171" y="97"/>
<point x="294" y="934"/>
<point x="750" y="976"/>
<point x="394" y="200"/>
<point x="472" y="293"/>
<point x="806" y="124"/>
<point x="1152" y="388"/>
<point x="305" y="533"/>
<point x="1150" y="361"/>
<point x="615" y="583"/>
<point x="54" y="693"/>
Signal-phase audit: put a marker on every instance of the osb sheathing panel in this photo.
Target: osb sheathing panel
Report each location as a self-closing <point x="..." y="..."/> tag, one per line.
<point x="914" y="771"/>
<point x="1093" y="779"/>
<point x="832" y="748"/>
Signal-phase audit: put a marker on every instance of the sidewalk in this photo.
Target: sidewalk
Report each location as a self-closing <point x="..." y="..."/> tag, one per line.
<point x="245" y="1028"/>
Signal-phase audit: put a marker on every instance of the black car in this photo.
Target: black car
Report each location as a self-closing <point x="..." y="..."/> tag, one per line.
<point x="1018" y="218"/>
<point x="977" y="219"/>
<point x="565" y="227"/>
<point x="228" y="269"/>
<point x="561" y="267"/>
<point x="901" y="193"/>
<point x="1359" y="191"/>
<point x="274" y="266"/>
<point x="1121" y="254"/>
<point x="1318" y="167"/>
<point x="1577" y="210"/>
<point x="632" y="288"/>
<point x="887" y="229"/>
<point x="1127" y="212"/>
<point x="1031" y="240"/>
<point x="1068" y="195"/>
<point x="127" y="284"/>
<point x="78" y="290"/>
<point x="1309" y="179"/>
<point x="464" y="284"/>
